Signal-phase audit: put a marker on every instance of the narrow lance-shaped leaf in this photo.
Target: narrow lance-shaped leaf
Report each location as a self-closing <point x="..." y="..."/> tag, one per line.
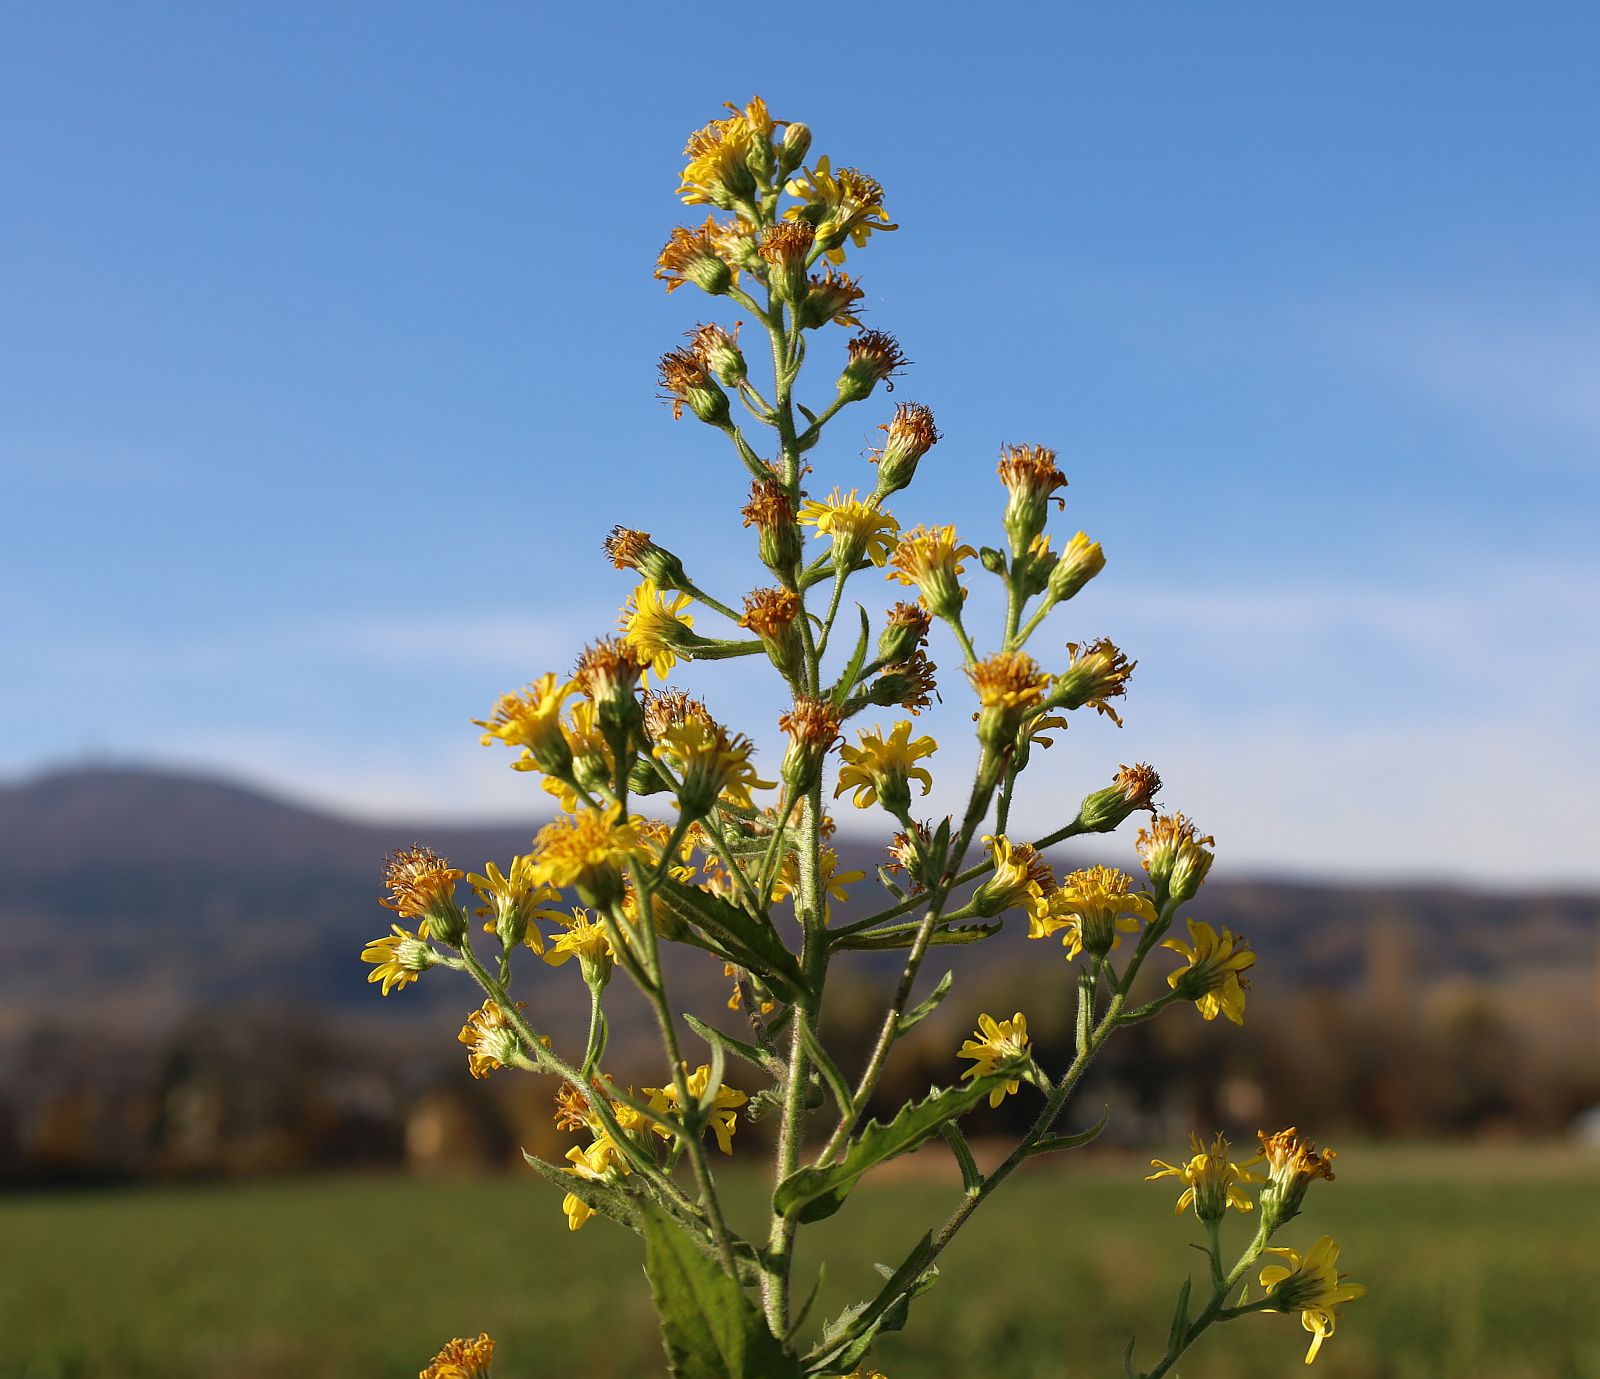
<point x="811" y="1194"/>
<point x="711" y="1330"/>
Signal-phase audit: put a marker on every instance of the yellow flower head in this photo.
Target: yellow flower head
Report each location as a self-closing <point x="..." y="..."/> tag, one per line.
<point x="929" y="560"/>
<point x="591" y="755"/>
<point x="1312" y="1286"/>
<point x="1097" y="671"/>
<point x="695" y="256"/>
<point x="712" y="764"/>
<point x="1211" y="1180"/>
<point x="599" y="1162"/>
<point x="833" y="883"/>
<point x="531" y="720"/>
<point x="400" y="957"/>
<point x="583" y="938"/>
<point x="1292" y="1163"/>
<point x="842" y="205"/>
<point x="491" y="1039"/>
<point x="654" y="624"/>
<point x="422" y="886"/>
<point x="514" y="903"/>
<point x="1174" y="854"/>
<point x="1008" y="684"/>
<point x="1213" y="979"/>
<point x="858" y="528"/>
<point x="462" y="1360"/>
<point x="1090" y="910"/>
<point x="1021" y="878"/>
<point x="587" y="850"/>
<point x="994" y="1045"/>
<point x="886" y="767"/>
<point x="718" y="169"/>
<point x="724" y="1107"/>
<point x="770" y="613"/>
<point x="1079" y="563"/>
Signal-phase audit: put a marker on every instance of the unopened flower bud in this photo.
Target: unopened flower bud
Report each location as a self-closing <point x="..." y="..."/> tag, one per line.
<point x="904" y="631"/>
<point x="813" y="729"/>
<point x="634" y="550"/>
<point x="1031" y="477"/>
<point x="1031" y="569"/>
<point x="688" y="382"/>
<point x="1134" y="788"/>
<point x="911" y="434"/>
<point x="992" y="560"/>
<point x="1079" y="563"/>
<point x="792" y="153"/>
<point x="773" y="615"/>
<point x="875" y="357"/>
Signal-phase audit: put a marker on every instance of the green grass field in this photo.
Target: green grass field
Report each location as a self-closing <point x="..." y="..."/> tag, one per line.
<point x="1480" y="1263"/>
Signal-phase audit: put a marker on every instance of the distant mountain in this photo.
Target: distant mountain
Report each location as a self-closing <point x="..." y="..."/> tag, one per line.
<point x="141" y="895"/>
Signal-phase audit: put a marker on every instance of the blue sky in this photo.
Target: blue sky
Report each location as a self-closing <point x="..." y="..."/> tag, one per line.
<point x="330" y="347"/>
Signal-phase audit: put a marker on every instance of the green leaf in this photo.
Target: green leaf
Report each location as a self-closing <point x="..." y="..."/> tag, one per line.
<point x="904" y="935"/>
<point x="847" y="1338"/>
<point x="604" y="1198"/>
<point x="1051" y="1143"/>
<point x="813" y="1194"/>
<point x="847" y="681"/>
<point x="971" y="1179"/>
<point x="711" y="1330"/>
<point x="926" y="1007"/>
<point x="1180" y="1317"/>
<point x="742" y="939"/>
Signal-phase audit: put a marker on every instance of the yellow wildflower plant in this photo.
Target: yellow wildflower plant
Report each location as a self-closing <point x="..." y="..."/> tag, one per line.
<point x="462" y="1359"/>
<point x="1214" y="978"/>
<point x="1311" y="1285"/>
<point x="668" y="838"/>
<point x="885" y="766"/>
<point x="1212" y="1182"/>
<point x="994" y="1045"/>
